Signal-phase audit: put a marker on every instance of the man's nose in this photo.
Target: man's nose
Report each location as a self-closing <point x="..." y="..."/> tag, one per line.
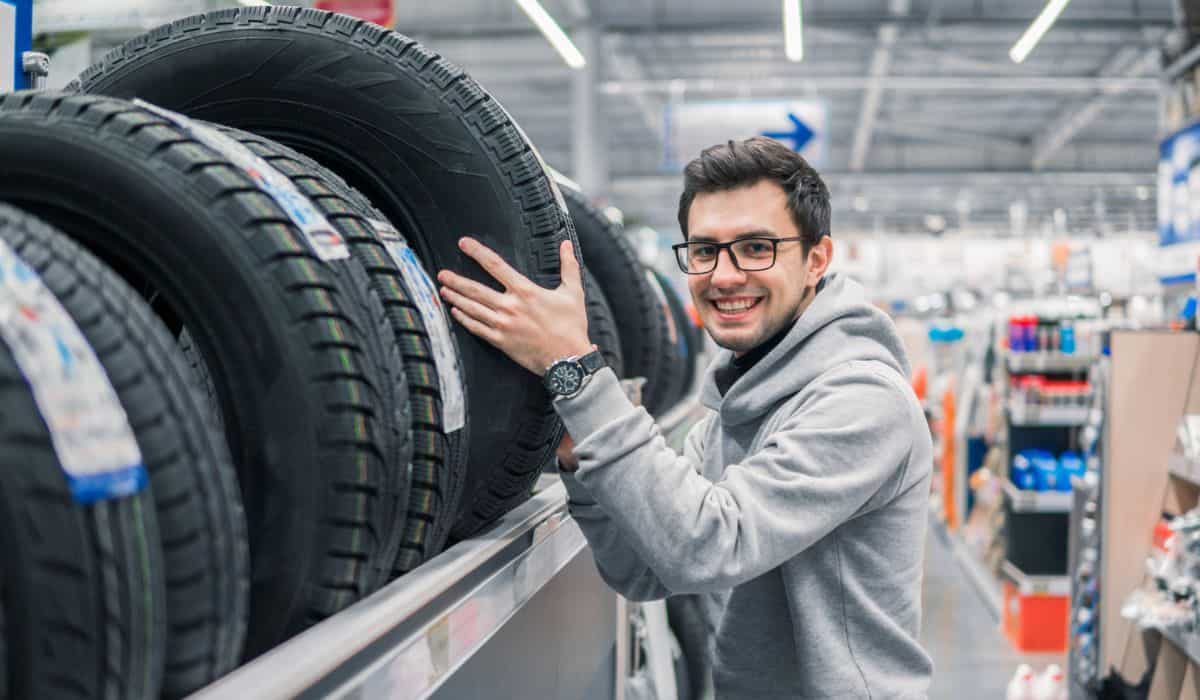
<point x="727" y="274"/>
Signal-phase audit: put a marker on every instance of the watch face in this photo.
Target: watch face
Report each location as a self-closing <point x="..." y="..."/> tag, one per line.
<point x="564" y="378"/>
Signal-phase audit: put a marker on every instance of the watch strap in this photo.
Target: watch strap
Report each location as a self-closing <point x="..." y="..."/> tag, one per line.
<point x="592" y="362"/>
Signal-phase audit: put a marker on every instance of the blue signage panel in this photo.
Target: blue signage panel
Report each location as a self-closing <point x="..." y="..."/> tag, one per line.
<point x="16" y="37"/>
<point x="1179" y="187"/>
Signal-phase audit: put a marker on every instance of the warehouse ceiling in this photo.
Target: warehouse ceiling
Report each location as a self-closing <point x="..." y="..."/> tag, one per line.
<point x="929" y="123"/>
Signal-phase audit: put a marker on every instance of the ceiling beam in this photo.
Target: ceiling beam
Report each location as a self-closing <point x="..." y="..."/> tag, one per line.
<point x="872" y="97"/>
<point x="940" y="134"/>
<point x="848" y="22"/>
<point x="908" y="83"/>
<point x="1076" y="117"/>
<point x="623" y="64"/>
<point x="642" y="186"/>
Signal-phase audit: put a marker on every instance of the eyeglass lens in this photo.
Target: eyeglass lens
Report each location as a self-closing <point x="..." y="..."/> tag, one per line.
<point x="749" y="254"/>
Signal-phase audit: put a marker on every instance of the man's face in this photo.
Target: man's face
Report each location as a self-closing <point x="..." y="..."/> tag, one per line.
<point x="775" y="296"/>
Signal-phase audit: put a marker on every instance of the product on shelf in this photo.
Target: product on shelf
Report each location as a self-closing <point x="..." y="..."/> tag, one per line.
<point x="1074" y="335"/>
<point x="1040" y="470"/>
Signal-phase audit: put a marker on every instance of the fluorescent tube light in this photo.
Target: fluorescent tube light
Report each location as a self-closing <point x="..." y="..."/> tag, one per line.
<point x="793" y="35"/>
<point x="553" y="33"/>
<point x="1037" y="30"/>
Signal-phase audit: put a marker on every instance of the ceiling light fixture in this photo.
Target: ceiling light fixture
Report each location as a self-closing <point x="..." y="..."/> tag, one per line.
<point x="1037" y="30"/>
<point x="553" y="33"/>
<point x="793" y="36"/>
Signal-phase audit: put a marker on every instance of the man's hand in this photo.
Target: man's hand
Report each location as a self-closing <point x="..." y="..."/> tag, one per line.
<point x="532" y="325"/>
<point x="567" y="461"/>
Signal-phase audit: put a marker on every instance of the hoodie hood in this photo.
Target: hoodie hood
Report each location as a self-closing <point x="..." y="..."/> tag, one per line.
<point x="840" y="326"/>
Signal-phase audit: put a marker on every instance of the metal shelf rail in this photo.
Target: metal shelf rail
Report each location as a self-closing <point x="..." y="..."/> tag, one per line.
<point x="407" y="640"/>
<point x="1037" y="501"/>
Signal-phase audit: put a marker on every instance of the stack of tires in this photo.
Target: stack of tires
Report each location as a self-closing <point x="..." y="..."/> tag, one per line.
<point x="231" y="403"/>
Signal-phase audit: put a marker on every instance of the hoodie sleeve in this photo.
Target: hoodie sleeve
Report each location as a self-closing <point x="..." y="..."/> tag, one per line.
<point x="619" y="564"/>
<point x="848" y="437"/>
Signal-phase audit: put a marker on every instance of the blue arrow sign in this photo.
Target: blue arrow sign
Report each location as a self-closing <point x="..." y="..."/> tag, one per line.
<point x="800" y="134"/>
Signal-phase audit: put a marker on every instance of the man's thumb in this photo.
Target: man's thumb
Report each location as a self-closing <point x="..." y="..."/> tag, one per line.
<point x="569" y="265"/>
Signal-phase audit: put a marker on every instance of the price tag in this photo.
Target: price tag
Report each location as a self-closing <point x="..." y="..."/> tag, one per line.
<point x="322" y="237"/>
<point x="88" y="426"/>
<point x="429" y="303"/>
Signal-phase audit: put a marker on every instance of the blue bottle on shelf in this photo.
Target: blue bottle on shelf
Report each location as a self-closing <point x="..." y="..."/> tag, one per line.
<point x="1022" y="472"/>
<point x="1066" y="338"/>
<point x="1045" y="468"/>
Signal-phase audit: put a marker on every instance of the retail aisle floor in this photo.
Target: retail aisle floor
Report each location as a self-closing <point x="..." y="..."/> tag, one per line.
<point x="971" y="658"/>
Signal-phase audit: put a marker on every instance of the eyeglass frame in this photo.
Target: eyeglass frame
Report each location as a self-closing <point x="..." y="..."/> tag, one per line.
<point x="728" y="248"/>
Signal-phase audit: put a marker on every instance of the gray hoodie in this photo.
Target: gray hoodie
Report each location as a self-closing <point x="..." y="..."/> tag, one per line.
<point x="799" y="505"/>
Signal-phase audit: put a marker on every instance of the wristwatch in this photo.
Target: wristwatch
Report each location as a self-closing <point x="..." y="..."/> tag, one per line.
<point x="567" y="377"/>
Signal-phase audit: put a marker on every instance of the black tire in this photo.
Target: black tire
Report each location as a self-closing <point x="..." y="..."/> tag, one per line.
<point x="421" y="139"/>
<point x="602" y="328"/>
<point x="199" y="509"/>
<point x="674" y="367"/>
<point x="283" y="333"/>
<point x="613" y="261"/>
<point x="83" y="592"/>
<point x="683" y="678"/>
<point x="685" y="350"/>
<point x="3" y="646"/>
<point x="439" y="459"/>
<point x="687" y="622"/>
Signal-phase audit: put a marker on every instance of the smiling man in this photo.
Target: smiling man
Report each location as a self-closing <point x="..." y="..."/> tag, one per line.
<point x="799" y="504"/>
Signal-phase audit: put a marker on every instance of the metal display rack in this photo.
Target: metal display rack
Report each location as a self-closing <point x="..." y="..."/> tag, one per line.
<point x="1037" y="501"/>
<point x="1036" y="362"/>
<point x="421" y="634"/>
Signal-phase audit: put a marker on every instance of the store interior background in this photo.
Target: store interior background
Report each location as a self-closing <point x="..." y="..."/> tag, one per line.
<point x="968" y="189"/>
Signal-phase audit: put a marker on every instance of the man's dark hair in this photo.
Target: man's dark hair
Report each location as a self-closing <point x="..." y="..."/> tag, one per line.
<point x="737" y="164"/>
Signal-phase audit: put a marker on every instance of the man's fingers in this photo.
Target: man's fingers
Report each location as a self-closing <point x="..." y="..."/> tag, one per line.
<point x="471" y="289"/>
<point x="473" y="308"/>
<point x="476" y="327"/>
<point x="569" y="266"/>
<point x="491" y="261"/>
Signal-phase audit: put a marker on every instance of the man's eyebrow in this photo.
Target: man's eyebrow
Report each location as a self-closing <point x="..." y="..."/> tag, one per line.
<point x="746" y="234"/>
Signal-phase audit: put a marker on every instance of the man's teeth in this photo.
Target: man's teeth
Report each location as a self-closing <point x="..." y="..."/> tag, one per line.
<point x="739" y="305"/>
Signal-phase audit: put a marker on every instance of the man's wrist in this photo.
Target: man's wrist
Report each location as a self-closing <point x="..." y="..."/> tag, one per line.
<point x="577" y="350"/>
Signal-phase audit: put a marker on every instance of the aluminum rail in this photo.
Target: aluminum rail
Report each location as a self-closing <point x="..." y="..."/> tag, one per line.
<point x="349" y="649"/>
<point x="404" y="641"/>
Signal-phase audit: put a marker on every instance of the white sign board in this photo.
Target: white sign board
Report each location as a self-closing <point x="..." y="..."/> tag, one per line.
<point x="8" y="46"/>
<point x="694" y="126"/>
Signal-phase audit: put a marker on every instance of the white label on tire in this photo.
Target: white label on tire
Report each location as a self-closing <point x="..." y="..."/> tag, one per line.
<point x="429" y="303"/>
<point x="324" y="239"/>
<point x="88" y="426"/>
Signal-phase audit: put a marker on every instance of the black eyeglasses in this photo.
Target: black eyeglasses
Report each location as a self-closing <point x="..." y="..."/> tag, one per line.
<point x="749" y="254"/>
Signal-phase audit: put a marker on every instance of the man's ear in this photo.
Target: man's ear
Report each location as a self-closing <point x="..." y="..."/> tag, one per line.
<point x="819" y="258"/>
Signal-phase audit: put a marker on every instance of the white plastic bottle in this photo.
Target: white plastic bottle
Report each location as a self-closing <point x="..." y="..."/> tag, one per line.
<point x="1021" y="685"/>
<point x="1051" y="685"/>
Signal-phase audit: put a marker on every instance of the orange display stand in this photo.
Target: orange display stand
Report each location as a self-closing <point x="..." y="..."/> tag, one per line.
<point x="948" y="459"/>
<point x="1034" y="621"/>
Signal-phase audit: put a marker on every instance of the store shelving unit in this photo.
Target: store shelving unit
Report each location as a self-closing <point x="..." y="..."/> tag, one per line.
<point x="1029" y="583"/>
<point x="1037" y="523"/>
<point x="1047" y="363"/>
<point x="1037" y="501"/>
<point x="1049" y="417"/>
<point x="1148" y="390"/>
<point x="1184" y="469"/>
<point x="518" y="611"/>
